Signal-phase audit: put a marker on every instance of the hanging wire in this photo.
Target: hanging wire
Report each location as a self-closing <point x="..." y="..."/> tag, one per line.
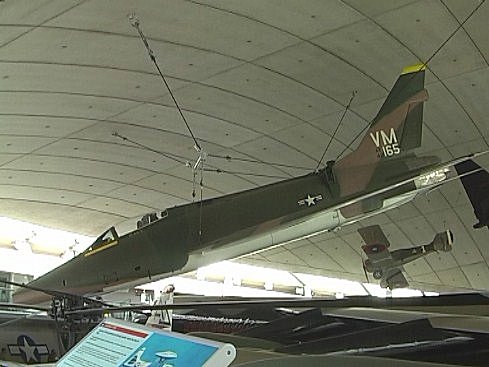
<point x="354" y="93"/>
<point x="135" y="23"/>
<point x="218" y="170"/>
<point x="201" y="199"/>
<point x="249" y="160"/>
<point x="173" y="157"/>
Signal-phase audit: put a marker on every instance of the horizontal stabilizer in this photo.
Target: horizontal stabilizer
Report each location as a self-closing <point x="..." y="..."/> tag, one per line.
<point x="476" y="184"/>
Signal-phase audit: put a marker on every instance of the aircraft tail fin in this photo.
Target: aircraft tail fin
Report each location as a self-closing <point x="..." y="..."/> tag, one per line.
<point x="476" y="183"/>
<point x="397" y="127"/>
<point x="443" y="241"/>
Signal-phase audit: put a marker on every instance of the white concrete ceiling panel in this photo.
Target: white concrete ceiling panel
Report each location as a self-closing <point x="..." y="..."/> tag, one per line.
<point x="72" y="49"/>
<point x="272" y="251"/>
<point x="466" y="215"/>
<point x="218" y="131"/>
<point x="235" y="108"/>
<point x="477" y="274"/>
<point x="316" y="258"/>
<point x="181" y="187"/>
<point x="150" y="116"/>
<point x="441" y="261"/>
<point x="446" y="118"/>
<point x="276" y="90"/>
<point x="428" y="278"/>
<point x="432" y="202"/>
<point x="41" y="125"/>
<point x="8" y="34"/>
<point x="304" y="62"/>
<point x="453" y="193"/>
<point x="420" y="268"/>
<point x="460" y="9"/>
<point x="267" y="149"/>
<point x="354" y="241"/>
<point x="464" y="250"/>
<point x="112" y="153"/>
<point x="298" y="268"/>
<point x="242" y="171"/>
<point x="86" y="221"/>
<point x="8" y="157"/>
<point x="423" y="28"/>
<point x="366" y="46"/>
<point x="207" y="129"/>
<point x="403" y="212"/>
<point x="76" y="166"/>
<point x="90" y="81"/>
<point x="473" y="87"/>
<point x="123" y="208"/>
<point x="341" y="251"/>
<point x="146" y="197"/>
<point x="454" y="277"/>
<point x="79" y="183"/>
<point x="351" y="126"/>
<point x="33" y="12"/>
<point x="181" y="22"/>
<point x="459" y="52"/>
<point x="292" y="16"/>
<point x="477" y="25"/>
<point x="373" y="8"/>
<point x="42" y="194"/>
<point x="381" y="219"/>
<point x="295" y="244"/>
<point x="15" y="144"/>
<point x="160" y="150"/>
<point x="75" y="47"/>
<point x="285" y="257"/>
<point x="69" y="105"/>
<point x="472" y="146"/>
<point x="310" y="142"/>
<point x="214" y="183"/>
<point x="368" y="110"/>
<point x="416" y="230"/>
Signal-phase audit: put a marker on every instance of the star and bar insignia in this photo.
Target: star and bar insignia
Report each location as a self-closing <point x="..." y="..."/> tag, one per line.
<point x="310" y="200"/>
<point x="28" y="349"/>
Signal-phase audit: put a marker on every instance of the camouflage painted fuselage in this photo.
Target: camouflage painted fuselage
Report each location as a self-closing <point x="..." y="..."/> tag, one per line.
<point x="197" y="234"/>
<point x="381" y="173"/>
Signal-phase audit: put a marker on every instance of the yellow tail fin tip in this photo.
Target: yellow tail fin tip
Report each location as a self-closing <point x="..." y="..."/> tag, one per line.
<point x="413" y="68"/>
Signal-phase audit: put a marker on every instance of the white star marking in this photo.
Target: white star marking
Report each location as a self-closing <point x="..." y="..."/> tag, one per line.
<point x="28" y="350"/>
<point x="310" y="200"/>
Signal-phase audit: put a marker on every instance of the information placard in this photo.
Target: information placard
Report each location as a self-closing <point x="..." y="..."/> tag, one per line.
<point x="114" y="343"/>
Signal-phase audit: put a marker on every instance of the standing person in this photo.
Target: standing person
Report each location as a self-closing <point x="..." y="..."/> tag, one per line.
<point x="163" y="318"/>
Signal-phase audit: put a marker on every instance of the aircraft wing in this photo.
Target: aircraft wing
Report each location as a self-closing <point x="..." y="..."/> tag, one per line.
<point x="376" y="244"/>
<point x="394" y="279"/>
<point x="476" y="184"/>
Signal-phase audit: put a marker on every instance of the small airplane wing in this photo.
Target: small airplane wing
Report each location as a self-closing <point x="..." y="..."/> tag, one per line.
<point x="476" y="183"/>
<point x="376" y="244"/>
<point x="394" y="279"/>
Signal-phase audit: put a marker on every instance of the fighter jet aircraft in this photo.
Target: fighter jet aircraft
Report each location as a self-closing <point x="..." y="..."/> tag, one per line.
<point x="380" y="174"/>
<point x="386" y="265"/>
